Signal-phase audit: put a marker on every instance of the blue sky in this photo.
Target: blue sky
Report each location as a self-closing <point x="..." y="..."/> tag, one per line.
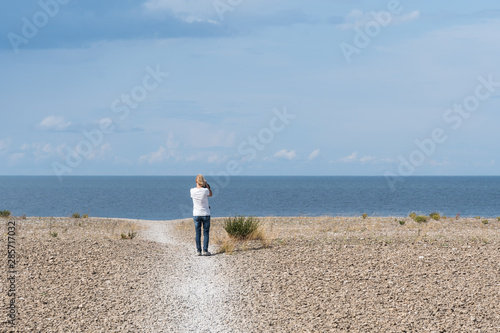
<point x="240" y="87"/>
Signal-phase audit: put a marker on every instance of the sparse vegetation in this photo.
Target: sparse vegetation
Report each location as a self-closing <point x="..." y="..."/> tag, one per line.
<point x="241" y="227"/>
<point x="478" y="217"/>
<point x="498" y="218"/>
<point x="53" y="234"/>
<point x="435" y="216"/>
<point x="364" y="216"/>
<point x="401" y="222"/>
<point x="420" y="219"/>
<point x="413" y="215"/>
<point x="76" y="215"/>
<point x="457" y="216"/>
<point x="85" y="216"/>
<point x="226" y="246"/>
<point x="129" y="235"/>
<point x="485" y="221"/>
<point x="4" y="213"/>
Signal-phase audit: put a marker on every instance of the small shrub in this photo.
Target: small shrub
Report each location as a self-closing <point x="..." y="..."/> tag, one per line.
<point x="401" y="222"/>
<point x="485" y="221"/>
<point x="130" y="235"/>
<point x="420" y="219"/>
<point x="364" y="216"/>
<point x="444" y="217"/>
<point x="498" y="218"/>
<point x="412" y="215"/>
<point x="435" y="216"/>
<point x="240" y="226"/>
<point x="76" y="215"/>
<point x="227" y="246"/>
<point x="478" y="217"/>
<point x="53" y="234"/>
<point x="4" y="213"/>
<point x="85" y="216"/>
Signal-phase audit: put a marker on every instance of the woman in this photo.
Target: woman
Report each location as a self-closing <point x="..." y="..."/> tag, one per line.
<point x="201" y="213"/>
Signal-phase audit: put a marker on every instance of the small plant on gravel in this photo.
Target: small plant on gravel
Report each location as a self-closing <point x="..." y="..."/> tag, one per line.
<point x="435" y="216"/>
<point x="364" y="216"/>
<point x="478" y="217"/>
<point x="226" y="246"/>
<point x="53" y="234"/>
<point x="85" y="216"/>
<point x="241" y="226"/>
<point x="444" y="217"/>
<point x="401" y="222"/>
<point x="420" y="219"/>
<point x="4" y="213"/>
<point x="76" y="215"/>
<point x="413" y="215"/>
<point x="498" y="218"/>
<point x="485" y="221"/>
<point x="130" y="235"/>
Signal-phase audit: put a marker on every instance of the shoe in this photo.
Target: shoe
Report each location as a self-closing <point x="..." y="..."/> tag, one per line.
<point x="198" y="253"/>
<point x="206" y="253"/>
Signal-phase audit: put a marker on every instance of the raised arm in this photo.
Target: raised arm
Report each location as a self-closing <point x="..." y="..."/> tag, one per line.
<point x="209" y="190"/>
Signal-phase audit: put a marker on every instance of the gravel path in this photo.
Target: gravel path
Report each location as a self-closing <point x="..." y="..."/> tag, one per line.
<point x="196" y="283"/>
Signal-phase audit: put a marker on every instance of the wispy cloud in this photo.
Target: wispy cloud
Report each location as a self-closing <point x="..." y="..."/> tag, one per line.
<point x="351" y="158"/>
<point x="357" y="19"/>
<point x="313" y="155"/>
<point x="164" y="152"/>
<point x="289" y="155"/>
<point x="187" y="11"/>
<point x="366" y="159"/>
<point x="54" y="123"/>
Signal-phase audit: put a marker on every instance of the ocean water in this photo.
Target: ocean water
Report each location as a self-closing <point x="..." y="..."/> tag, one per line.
<point x="167" y="197"/>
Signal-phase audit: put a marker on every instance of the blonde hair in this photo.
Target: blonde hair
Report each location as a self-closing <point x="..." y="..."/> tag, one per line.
<point x="200" y="180"/>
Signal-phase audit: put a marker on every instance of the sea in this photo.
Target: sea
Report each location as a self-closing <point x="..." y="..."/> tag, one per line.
<point x="167" y="197"/>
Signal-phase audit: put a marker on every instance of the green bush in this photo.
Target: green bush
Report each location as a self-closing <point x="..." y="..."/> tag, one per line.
<point x="241" y="226"/>
<point x="435" y="216"/>
<point x="498" y="218"/>
<point x="76" y="215"/>
<point x="485" y="221"/>
<point x="412" y="215"/>
<point x="420" y="219"/>
<point x="4" y="213"/>
<point x="478" y="217"/>
<point x="364" y="216"/>
<point x="401" y="222"/>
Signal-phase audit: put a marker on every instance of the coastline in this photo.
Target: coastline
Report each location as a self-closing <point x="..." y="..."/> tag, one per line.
<point x="320" y="273"/>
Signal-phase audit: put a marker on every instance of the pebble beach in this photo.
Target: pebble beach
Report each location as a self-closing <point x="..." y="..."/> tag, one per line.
<point x="314" y="274"/>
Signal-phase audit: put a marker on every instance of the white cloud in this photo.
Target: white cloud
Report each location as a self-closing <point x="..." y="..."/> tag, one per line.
<point x="289" y="155"/>
<point x="155" y="157"/>
<point x="100" y="152"/>
<point x="54" y="123"/>
<point x="163" y="153"/>
<point x="351" y="158"/>
<point x="366" y="159"/>
<point x="357" y="19"/>
<point x="189" y="11"/>
<point x="313" y="155"/>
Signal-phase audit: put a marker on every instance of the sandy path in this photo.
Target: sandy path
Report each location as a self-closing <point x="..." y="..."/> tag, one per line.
<point x="196" y="285"/>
